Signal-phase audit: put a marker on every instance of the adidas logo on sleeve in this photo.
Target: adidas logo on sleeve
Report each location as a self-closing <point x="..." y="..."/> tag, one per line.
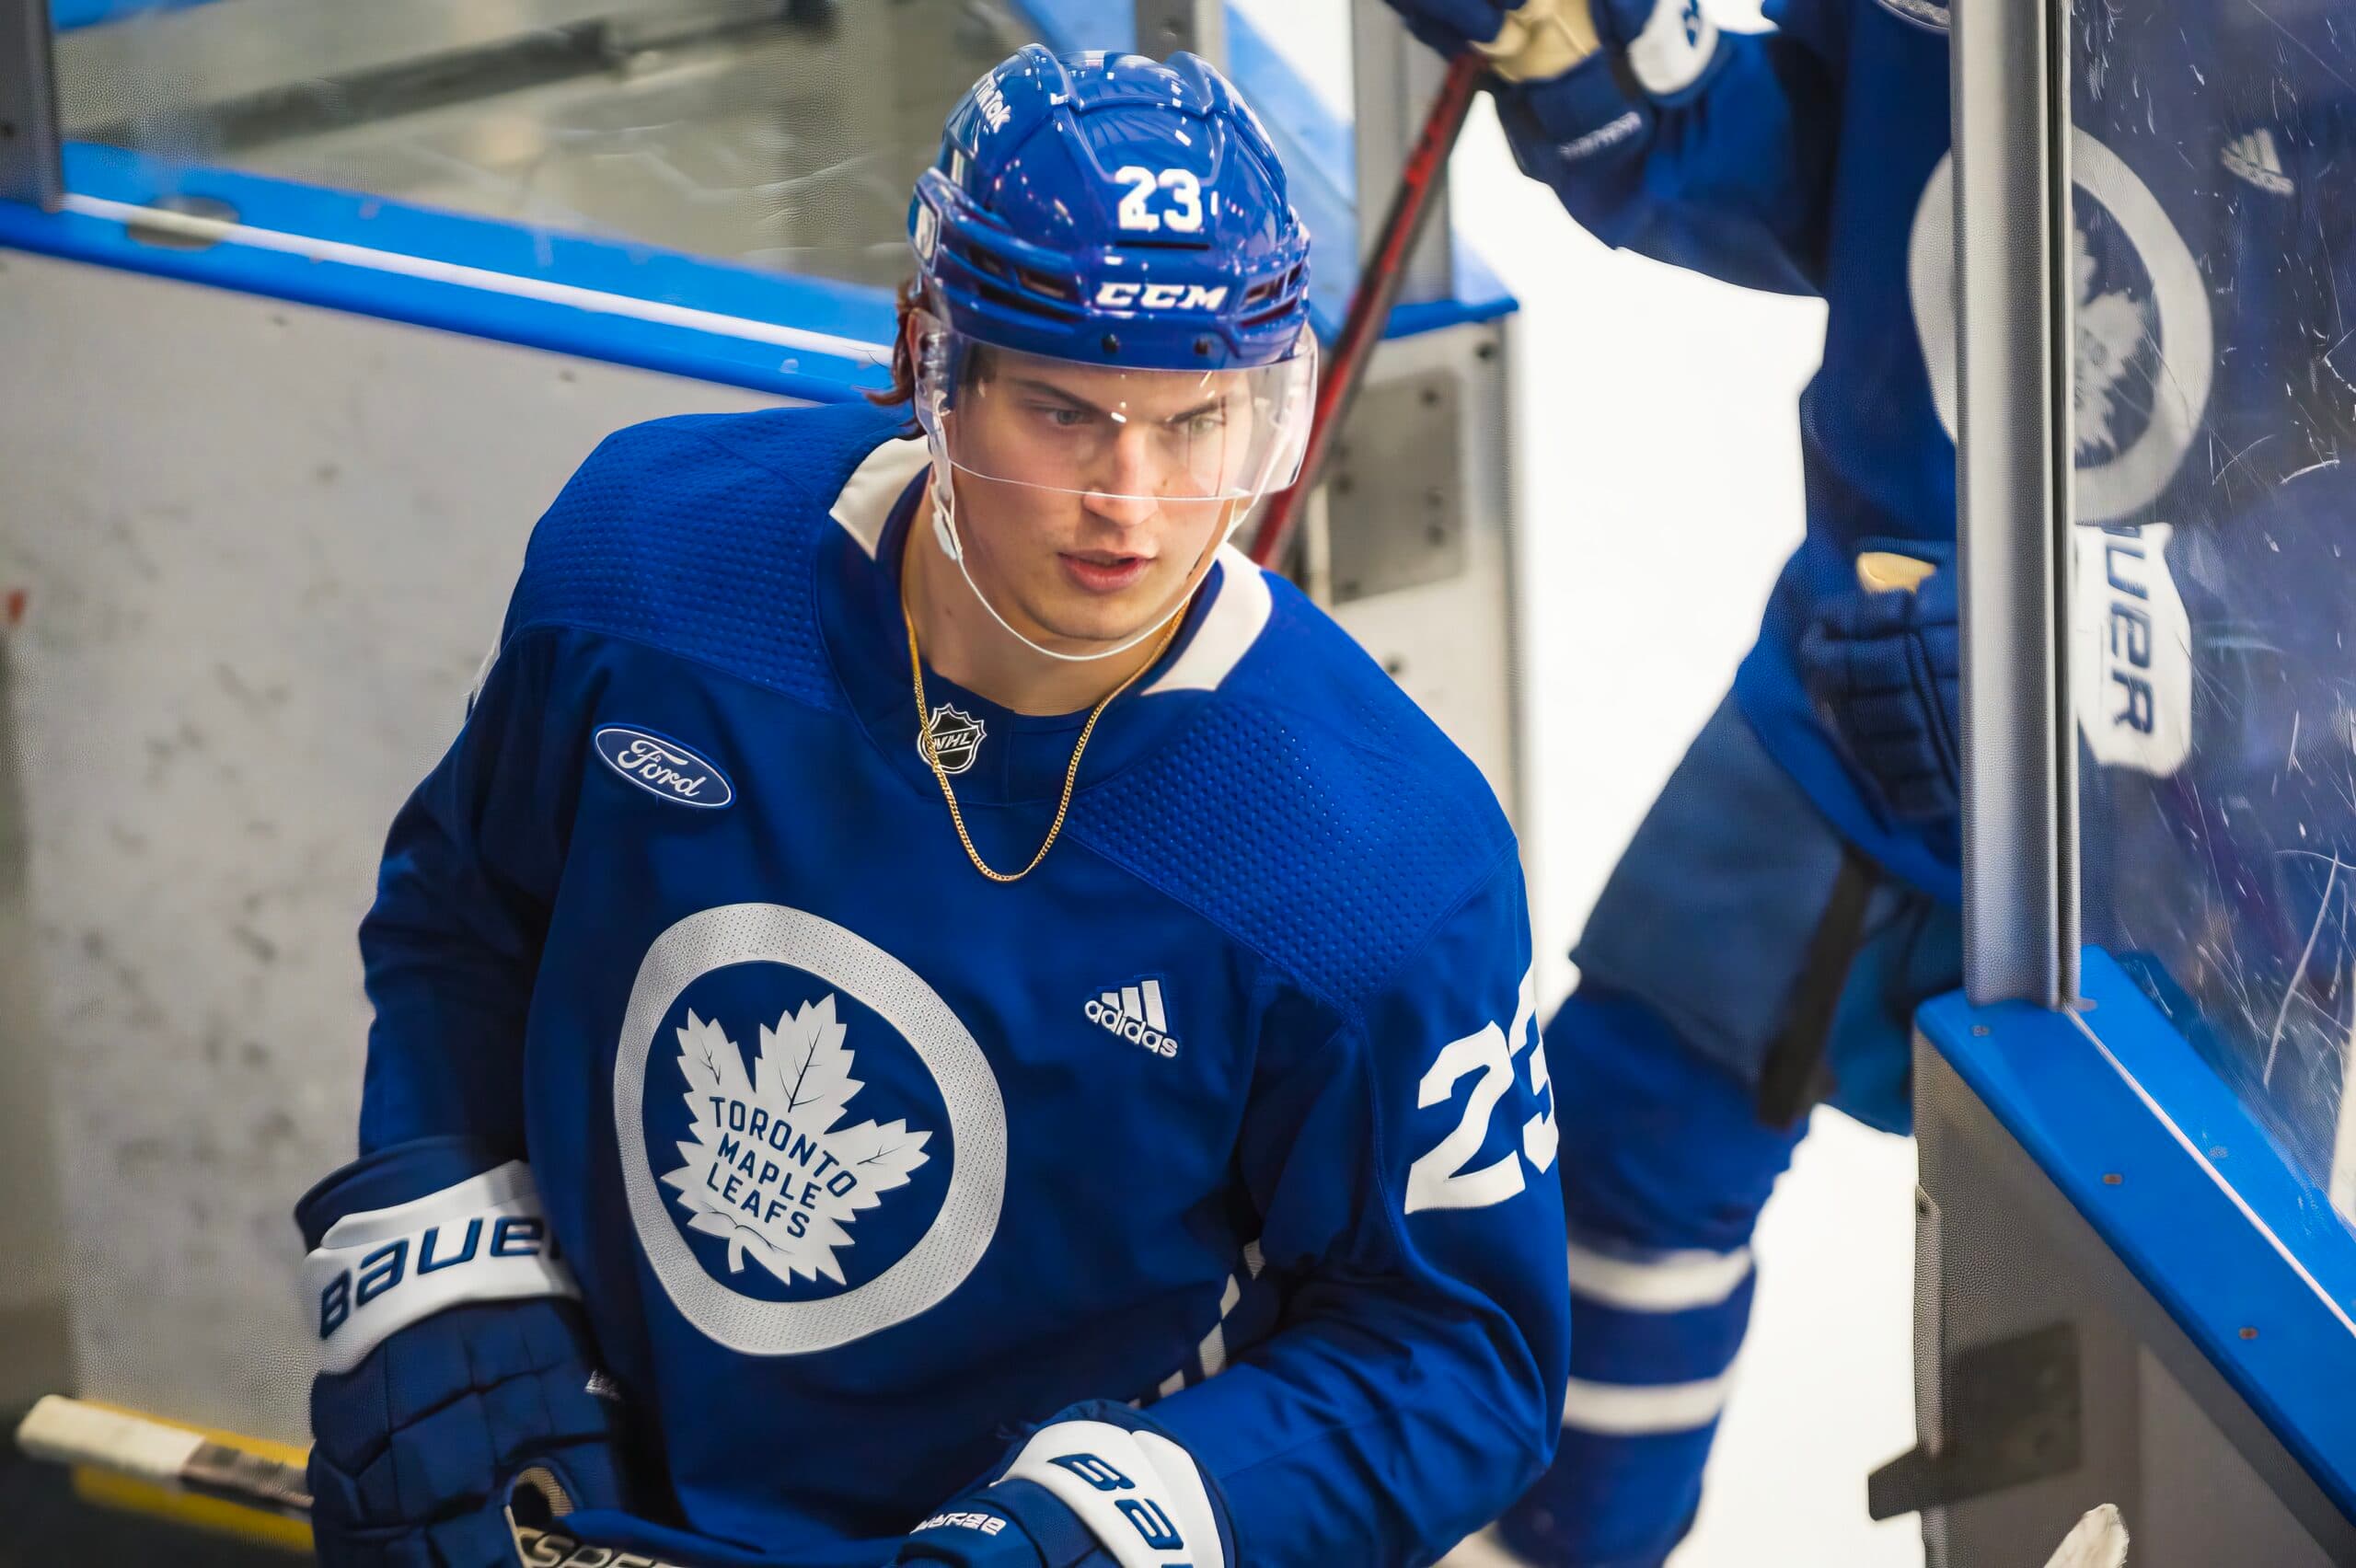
<point x="1135" y="1013"/>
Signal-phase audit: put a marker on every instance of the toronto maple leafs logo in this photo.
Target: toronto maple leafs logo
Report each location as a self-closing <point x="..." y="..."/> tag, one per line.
<point x="835" y="1172"/>
<point x="2114" y="333"/>
<point x="769" y="1169"/>
<point x="2145" y="350"/>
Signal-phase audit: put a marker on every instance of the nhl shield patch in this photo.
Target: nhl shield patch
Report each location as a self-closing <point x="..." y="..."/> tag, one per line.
<point x="956" y="738"/>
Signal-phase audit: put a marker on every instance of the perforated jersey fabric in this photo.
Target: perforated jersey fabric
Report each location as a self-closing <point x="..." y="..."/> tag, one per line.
<point x="1312" y="811"/>
<point x="696" y="534"/>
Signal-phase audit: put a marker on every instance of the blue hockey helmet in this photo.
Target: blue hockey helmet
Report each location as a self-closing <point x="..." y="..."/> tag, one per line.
<point x="1113" y="210"/>
<point x="1113" y="305"/>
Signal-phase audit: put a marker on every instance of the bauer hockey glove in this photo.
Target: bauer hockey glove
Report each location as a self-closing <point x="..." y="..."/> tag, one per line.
<point x="455" y="1360"/>
<point x="1100" y="1486"/>
<point x="1883" y="668"/>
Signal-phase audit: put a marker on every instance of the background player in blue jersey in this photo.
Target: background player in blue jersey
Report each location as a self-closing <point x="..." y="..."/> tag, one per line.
<point x="1792" y="895"/>
<point x="933" y="1012"/>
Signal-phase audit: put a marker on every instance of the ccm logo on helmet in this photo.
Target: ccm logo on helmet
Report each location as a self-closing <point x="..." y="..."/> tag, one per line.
<point x="1160" y="296"/>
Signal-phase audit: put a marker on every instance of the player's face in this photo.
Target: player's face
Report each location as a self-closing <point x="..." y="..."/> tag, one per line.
<point x="1091" y="500"/>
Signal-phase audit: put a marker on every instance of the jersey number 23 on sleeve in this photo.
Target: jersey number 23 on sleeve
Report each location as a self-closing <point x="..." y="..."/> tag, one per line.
<point x="1438" y="1178"/>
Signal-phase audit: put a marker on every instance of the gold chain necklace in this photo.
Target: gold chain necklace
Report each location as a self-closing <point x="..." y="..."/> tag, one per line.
<point x="1072" y="775"/>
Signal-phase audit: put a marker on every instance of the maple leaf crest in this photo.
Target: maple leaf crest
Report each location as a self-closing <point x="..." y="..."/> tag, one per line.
<point x="767" y="1168"/>
<point x="2110" y="328"/>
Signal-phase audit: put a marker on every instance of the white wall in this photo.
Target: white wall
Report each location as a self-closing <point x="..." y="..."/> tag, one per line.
<point x="1660" y="489"/>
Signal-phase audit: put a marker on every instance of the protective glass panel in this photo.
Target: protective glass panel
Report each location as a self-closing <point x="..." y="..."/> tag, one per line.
<point x="2214" y="598"/>
<point x="783" y="132"/>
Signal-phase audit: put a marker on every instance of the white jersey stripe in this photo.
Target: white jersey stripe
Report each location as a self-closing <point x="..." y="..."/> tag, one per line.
<point x="1153" y="1014"/>
<point x="1229" y="628"/>
<point x="1630" y="1409"/>
<point x="1213" y="1351"/>
<point x="1657" y="1282"/>
<point x="865" y="502"/>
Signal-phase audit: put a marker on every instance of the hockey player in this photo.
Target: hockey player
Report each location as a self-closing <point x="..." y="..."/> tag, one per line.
<point x="933" y="1012"/>
<point x="1792" y="895"/>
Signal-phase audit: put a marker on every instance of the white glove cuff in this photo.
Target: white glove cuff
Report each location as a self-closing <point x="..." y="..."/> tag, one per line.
<point x="1676" y="46"/>
<point x="1140" y="1495"/>
<point x="377" y="1273"/>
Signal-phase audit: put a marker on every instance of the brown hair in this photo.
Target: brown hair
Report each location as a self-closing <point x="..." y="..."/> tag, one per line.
<point x="910" y="300"/>
<point x="903" y="370"/>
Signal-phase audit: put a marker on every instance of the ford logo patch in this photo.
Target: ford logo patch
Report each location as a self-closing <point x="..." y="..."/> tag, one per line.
<point x="664" y="767"/>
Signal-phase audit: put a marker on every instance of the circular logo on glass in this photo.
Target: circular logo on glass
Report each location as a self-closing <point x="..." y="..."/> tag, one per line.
<point x="2145" y="345"/>
<point x="812" y="1144"/>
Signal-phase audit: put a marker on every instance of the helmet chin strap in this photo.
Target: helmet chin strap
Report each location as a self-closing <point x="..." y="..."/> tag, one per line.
<point x="945" y="532"/>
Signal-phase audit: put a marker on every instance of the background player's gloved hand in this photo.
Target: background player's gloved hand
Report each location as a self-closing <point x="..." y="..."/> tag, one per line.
<point x="455" y="1360"/>
<point x="1527" y="40"/>
<point x="1884" y="669"/>
<point x="1451" y="27"/>
<point x="1099" y="1487"/>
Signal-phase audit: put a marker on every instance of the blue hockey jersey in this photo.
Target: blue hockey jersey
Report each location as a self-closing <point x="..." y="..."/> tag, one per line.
<point x="1235" y="1107"/>
<point x="1815" y="158"/>
<point x="1723" y="153"/>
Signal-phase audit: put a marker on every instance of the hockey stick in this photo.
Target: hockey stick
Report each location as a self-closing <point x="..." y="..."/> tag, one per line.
<point x="1793" y="1077"/>
<point x="1540" y="38"/>
<point x="2098" y="1540"/>
<point x="1378" y="287"/>
<point x="180" y="1459"/>
<point x="236" y="1473"/>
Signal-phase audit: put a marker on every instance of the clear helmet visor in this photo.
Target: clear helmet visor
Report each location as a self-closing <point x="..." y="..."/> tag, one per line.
<point x="1086" y="504"/>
